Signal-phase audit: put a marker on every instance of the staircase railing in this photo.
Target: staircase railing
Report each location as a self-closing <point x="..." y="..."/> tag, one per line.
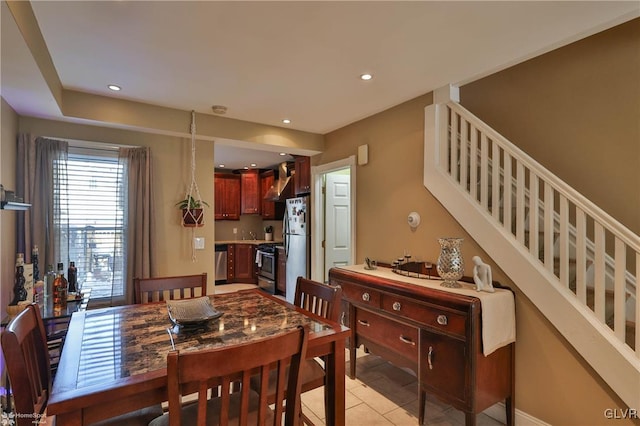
<point x="587" y="258"/>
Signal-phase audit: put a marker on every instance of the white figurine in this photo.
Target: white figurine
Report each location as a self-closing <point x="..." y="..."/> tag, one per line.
<point x="482" y="275"/>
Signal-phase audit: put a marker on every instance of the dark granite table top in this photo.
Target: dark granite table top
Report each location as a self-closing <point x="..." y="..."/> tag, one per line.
<point x="117" y="343"/>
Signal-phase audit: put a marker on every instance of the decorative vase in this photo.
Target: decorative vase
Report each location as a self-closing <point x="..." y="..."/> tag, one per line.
<point x="450" y="263"/>
<point x="268" y="236"/>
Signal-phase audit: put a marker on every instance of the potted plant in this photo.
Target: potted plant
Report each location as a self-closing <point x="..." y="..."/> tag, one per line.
<point x="192" y="211"/>
<point x="268" y="233"/>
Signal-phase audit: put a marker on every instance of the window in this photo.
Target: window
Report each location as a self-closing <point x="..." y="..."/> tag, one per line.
<point x="95" y="215"/>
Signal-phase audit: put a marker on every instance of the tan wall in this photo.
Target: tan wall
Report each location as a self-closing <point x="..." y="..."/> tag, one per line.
<point x="8" y="134"/>
<point x="553" y="382"/>
<point x="576" y="110"/>
<point x="172" y="171"/>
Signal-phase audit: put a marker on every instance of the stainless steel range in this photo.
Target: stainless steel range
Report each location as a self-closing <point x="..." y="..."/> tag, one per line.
<point x="267" y="267"/>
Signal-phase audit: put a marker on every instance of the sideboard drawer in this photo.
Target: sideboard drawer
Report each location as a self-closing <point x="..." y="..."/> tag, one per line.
<point x="401" y="338"/>
<point x="361" y="295"/>
<point x="440" y="319"/>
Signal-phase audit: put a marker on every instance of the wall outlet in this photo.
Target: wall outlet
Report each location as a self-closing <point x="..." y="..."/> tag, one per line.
<point x="235" y="231"/>
<point x="198" y="243"/>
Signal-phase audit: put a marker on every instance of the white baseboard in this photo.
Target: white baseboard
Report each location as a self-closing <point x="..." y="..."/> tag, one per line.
<point x="497" y="412"/>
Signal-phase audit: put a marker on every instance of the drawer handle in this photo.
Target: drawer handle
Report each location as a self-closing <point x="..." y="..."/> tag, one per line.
<point x="407" y="341"/>
<point x="365" y="323"/>
<point x="430" y="357"/>
<point x="396" y="306"/>
<point x="366" y="297"/>
<point x="442" y="319"/>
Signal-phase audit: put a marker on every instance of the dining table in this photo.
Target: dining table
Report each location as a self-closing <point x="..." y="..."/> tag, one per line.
<point x="114" y="359"/>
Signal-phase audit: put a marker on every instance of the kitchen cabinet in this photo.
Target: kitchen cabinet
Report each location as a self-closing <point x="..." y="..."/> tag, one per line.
<point x="270" y="209"/>
<point x="281" y="274"/>
<point x="250" y="194"/>
<point x="436" y="333"/>
<point x="302" y="178"/>
<point x="227" y="196"/>
<point x="231" y="263"/>
<point x="245" y="263"/>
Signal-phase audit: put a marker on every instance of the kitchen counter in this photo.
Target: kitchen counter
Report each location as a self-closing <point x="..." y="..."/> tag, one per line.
<point x="255" y="242"/>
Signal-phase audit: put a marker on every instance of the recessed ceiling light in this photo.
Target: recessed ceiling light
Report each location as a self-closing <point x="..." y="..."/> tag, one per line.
<point x="221" y="166"/>
<point x="114" y="87"/>
<point x="283" y="153"/>
<point x="286" y="121"/>
<point x="253" y="164"/>
<point x="366" y="77"/>
<point x="246" y="167"/>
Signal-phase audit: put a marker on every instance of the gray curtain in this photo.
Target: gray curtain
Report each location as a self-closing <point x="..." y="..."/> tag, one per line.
<point x="139" y="221"/>
<point x="41" y="161"/>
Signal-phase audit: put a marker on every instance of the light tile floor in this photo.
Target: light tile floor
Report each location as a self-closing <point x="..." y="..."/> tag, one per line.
<point x="381" y="395"/>
<point x="385" y="395"/>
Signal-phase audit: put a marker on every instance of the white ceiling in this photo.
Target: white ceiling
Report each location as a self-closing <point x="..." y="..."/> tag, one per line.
<point x="266" y="61"/>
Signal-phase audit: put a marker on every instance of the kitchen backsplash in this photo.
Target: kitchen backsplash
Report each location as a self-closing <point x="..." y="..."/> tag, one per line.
<point x="247" y="223"/>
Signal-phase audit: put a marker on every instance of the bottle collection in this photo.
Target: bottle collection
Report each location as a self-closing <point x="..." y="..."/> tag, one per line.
<point x="53" y="290"/>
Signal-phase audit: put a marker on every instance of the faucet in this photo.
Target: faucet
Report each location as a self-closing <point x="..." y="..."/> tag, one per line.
<point x="252" y="235"/>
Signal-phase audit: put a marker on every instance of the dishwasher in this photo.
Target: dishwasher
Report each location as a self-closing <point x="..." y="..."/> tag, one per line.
<point x="221" y="264"/>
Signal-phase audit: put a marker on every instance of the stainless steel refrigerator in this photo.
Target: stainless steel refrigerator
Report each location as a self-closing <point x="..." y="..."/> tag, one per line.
<point x="297" y="242"/>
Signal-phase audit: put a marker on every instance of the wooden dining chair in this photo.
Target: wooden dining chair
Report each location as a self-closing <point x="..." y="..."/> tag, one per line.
<point x="24" y="347"/>
<point x="225" y="366"/>
<point x="169" y="288"/>
<point x="322" y="300"/>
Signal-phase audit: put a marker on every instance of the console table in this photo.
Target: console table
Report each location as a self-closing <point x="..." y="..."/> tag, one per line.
<point x="435" y="331"/>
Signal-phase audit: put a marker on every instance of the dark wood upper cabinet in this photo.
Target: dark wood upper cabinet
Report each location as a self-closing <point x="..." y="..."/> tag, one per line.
<point x="302" y="178"/>
<point x="250" y="198"/>
<point x="227" y="196"/>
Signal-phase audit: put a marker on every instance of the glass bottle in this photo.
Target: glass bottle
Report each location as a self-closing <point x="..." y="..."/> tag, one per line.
<point x="60" y="286"/>
<point x="34" y="260"/>
<point x="19" y="292"/>
<point x="72" y="277"/>
<point x="49" y="279"/>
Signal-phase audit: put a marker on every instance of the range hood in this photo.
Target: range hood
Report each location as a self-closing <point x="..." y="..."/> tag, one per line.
<point x="282" y="188"/>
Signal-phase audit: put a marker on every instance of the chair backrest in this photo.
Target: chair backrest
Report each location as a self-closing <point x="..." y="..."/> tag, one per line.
<point x="320" y="299"/>
<point x="236" y="364"/>
<point x="155" y="289"/>
<point x="24" y="347"/>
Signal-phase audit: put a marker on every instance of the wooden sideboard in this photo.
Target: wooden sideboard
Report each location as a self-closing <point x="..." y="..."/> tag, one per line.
<point x="435" y="333"/>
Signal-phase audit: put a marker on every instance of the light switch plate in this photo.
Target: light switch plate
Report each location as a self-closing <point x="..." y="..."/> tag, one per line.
<point x="198" y="243"/>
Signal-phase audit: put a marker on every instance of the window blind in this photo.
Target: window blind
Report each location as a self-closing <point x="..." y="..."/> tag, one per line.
<point x="95" y="215"/>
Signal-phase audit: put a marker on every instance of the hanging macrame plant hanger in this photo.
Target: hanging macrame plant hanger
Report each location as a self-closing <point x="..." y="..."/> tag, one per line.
<point x="193" y="213"/>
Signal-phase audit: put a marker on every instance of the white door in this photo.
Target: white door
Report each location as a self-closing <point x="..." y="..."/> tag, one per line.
<point x="337" y="220"/>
